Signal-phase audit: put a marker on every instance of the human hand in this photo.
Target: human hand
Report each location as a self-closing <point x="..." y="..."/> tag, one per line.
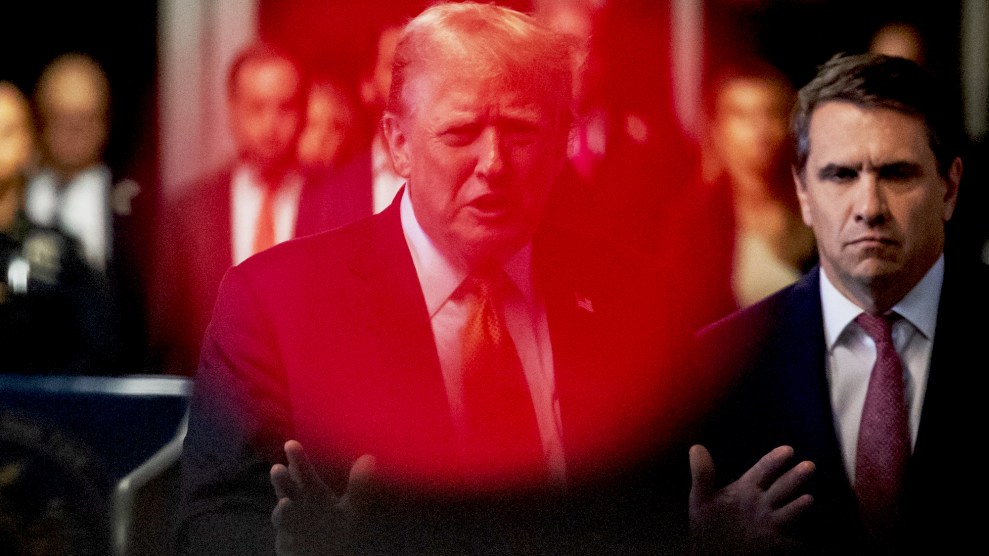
<point x="309" y="517"/>
<point x="751" y="515"/>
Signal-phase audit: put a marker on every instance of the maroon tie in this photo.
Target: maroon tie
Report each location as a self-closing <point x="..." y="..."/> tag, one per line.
<point x="884" y="436"/>
<point x="503" y="444"/>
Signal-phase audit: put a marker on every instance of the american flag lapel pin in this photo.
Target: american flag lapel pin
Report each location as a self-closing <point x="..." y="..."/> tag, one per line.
<point x="584" y="303"/>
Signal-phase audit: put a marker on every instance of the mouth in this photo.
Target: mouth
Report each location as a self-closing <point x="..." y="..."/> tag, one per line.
<point x="874" y="241"/>
<point x="492" y="205"/>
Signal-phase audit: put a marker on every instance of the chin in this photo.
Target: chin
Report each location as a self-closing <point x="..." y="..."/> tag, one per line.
<point x="492" y="250"/>
<point x="879" y="273"/>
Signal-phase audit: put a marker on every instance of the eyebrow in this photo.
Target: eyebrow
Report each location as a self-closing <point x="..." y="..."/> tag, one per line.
<point x="898" y="167"/>
<point x="832" y="169"/>
<point x="903" y="168"/>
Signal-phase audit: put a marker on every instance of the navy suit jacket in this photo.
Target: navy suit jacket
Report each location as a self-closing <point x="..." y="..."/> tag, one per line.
<point x="765" y="367"/>
<point x="338" y="196"/>
<point x="326" y="339"/>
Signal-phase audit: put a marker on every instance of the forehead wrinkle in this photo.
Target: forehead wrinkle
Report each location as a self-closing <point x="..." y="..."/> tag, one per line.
<point x="489" y="95"/>
<point x="869" y="146"/>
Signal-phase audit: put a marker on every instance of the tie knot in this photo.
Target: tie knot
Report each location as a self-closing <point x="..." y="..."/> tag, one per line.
<point x="878" y="327"/>
<point x="486" y="284"/>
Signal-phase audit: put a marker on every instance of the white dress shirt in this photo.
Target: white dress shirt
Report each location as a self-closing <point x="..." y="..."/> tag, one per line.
<point x="851" y="354"/>
<point x="525" y="318"/>
<point x="80" y="208"/>
<point x="246" y="197"/>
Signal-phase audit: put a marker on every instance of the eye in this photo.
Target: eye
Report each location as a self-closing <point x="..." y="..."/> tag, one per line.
<point x="838" y="174"/>
<point x="461" y="134"/>
<point x="900" y="171"/>
<point x="845" y="174"/>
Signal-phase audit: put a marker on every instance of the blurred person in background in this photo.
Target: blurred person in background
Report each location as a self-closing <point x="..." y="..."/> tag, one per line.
<point x="332" y="126"/>
<point x="74" y="190"/>
<point x="330" y="152"/>
<point x="576" y="19"/>
<point x="743" y="211"/>
<point x="899" y="38"/>
<point x="367" y="180"/>
<point x="748" y="133"/>
<point x="250" y="204"/>
<point x="246" y="206"/>
<point x="54" y="308"/>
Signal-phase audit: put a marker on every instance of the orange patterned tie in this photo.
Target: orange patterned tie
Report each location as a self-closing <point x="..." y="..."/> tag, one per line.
<point x="884" y="436"/>
<point x="502" y="433"/>
<point x="264" y="234"/>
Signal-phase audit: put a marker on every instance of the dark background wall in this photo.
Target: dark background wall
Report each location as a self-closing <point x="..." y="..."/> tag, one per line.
<point x="122" y="36"/>
<point x="799" y="35"/>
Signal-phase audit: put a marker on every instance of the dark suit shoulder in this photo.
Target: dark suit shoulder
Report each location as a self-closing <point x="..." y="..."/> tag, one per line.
<point x="336" y="196"/>
<point x="757" y="340"/>
<point x="338" y="263"/>
<point x="739" y="331"/>
<point x="800" y="300"/>
<point x="330" y="247"/>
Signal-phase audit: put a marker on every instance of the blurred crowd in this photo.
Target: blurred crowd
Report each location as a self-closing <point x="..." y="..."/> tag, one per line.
<point x="97" y="277"/>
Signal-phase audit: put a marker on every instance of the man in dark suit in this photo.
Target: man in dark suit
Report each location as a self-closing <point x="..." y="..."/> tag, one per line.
<point x="248" y="205"/>
<point x="75" y="191"/>
<point x="808" y="457"/>
<point x="341" y="362"/>
<point x="366" y="175"/>
<point x="54" y="308"/>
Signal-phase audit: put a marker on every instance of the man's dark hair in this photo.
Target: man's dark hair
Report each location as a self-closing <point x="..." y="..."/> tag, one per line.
<point x="742" y="68"/>
<point x="264" y="52"/>
<point x="880" y="81"/>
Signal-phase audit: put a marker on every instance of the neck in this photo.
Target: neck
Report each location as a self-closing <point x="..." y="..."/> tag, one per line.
<point x="879" y="294"/>
<point x="66" y="174"/>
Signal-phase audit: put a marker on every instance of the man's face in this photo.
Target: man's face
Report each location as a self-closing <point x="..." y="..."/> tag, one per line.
<point x="874" y="198"/>
<point x="15" y="135"/>
<point x="480" y="156"/>
<point x="74" y="120"/>
<point x="265" y="112"/>
<point x="330" y="120"/>
<point x="750" y="124"/>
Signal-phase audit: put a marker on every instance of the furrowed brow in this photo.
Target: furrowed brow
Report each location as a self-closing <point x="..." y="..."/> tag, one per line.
<point x="833" y="170"/>
<point x="902" y="169"/>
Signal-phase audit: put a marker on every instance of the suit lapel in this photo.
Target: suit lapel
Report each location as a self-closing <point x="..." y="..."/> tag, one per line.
<point x="601" y="336"/>
<point x="804" y="387"/>
<point x="409" y="380"/>
<point x="805" y="395"/>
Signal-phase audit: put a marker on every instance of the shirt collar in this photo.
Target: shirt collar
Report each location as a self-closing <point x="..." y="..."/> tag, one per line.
<point x="440" y="278"/>
<point x="248" y="176"/>
<point x="919" y="306"/>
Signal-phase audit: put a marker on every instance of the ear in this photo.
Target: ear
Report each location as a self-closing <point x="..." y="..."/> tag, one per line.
<point x="803" y="197"/>
<point x="398" y="144"/>
<point x="952" y="182"/>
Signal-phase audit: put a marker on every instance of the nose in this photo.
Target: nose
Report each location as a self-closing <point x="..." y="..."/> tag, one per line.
<point x="491" y="160"/>
<point x="870" y="203"/>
